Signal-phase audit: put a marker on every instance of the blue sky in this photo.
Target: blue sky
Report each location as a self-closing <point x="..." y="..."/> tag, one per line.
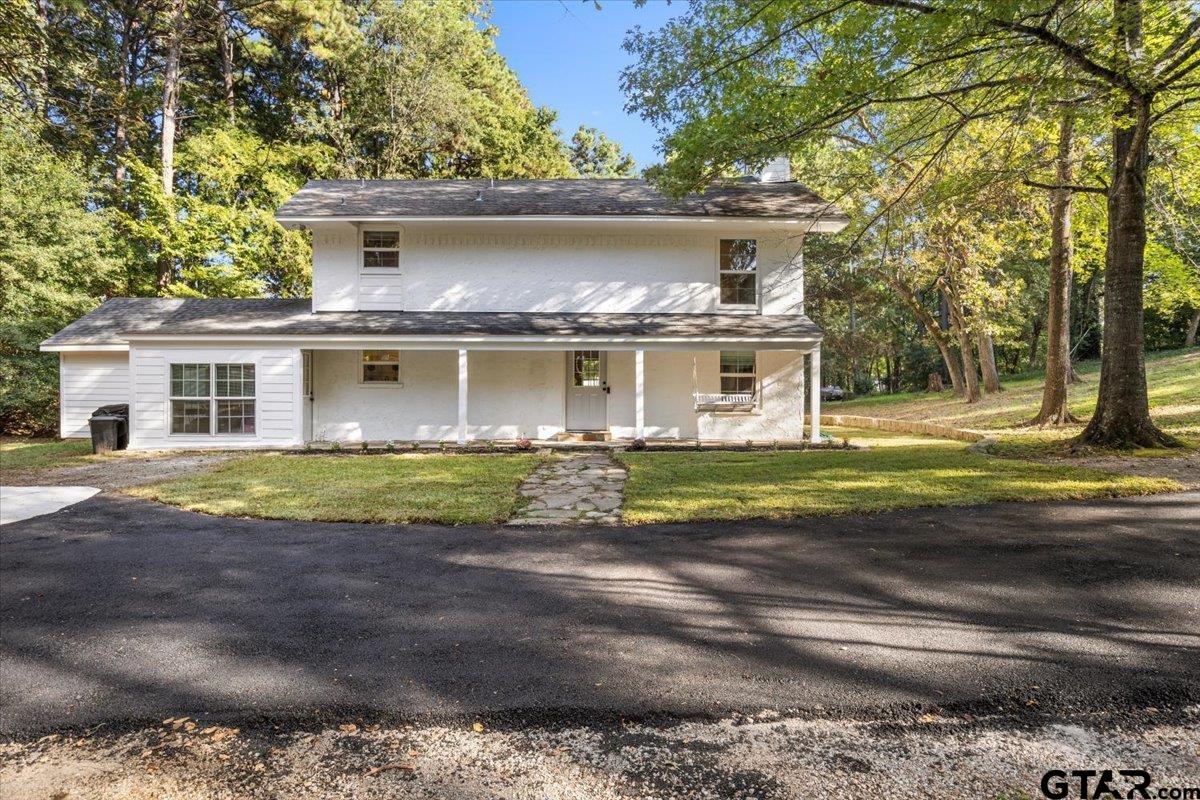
<point x="568" y="55"/>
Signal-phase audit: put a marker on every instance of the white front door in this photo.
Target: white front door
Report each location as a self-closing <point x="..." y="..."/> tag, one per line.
<point x="587" y="390"/>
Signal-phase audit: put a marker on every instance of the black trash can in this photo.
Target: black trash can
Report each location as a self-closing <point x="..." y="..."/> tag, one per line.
<point x="110" y="428"/>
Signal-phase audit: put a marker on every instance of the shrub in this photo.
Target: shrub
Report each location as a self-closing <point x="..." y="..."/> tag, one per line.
<point x="638" y="444"/>
<point x="524" y="444"/>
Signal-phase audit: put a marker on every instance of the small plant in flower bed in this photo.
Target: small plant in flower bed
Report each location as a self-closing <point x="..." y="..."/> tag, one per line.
<point x="524" y="444"/>
<point x="335" y="446"/>
<point x="364" y="447"/>
<point x="390" y="446"/>
<point x="638" y="444"/>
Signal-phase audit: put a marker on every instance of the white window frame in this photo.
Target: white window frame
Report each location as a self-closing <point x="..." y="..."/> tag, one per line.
<point x="212" y="398"/>
<point x="362" y="248"/>
<point x="755" y="394"/>
<point x="754" y="306"/>
<point x="306" y="373"/>
<point x="362" y="354"/>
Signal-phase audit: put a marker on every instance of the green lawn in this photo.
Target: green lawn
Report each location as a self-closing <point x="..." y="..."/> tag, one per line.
<point x="21" y="455"/>
<point x="676" y="487"/>
<point x="445" y="489"/>
<point x="1173" y="379"/>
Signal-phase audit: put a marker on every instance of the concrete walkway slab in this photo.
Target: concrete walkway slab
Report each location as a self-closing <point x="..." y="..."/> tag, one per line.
<point x="23" y="502"/>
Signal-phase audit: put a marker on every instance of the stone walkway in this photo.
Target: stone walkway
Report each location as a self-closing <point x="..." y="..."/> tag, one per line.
<point x="578" y="488"/>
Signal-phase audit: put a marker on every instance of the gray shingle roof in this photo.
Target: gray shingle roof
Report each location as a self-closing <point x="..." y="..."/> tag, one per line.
<point x="117" y="318"/>
<point x="590" y="197"/>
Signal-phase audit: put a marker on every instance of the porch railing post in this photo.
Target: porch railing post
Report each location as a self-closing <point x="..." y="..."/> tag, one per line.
<point x="639" y="392"/>
<point x="462" y="396"/>
<point x="814" y="389"/>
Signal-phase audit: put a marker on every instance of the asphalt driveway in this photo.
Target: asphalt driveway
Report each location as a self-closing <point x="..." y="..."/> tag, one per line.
<point x="122" y="610"/>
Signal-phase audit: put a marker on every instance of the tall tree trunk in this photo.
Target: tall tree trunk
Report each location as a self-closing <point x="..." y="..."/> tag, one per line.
<point x="42" y="102"/>
<point x="1035" y="339"/>
<point x="1193" y="327"/>
<point x="958" y="326"/>
<point x="1122" y="417"/>
<point x="1054" y="409"/>
<point x="970" y="375"/>
<point x="225" y="45"/>
<point x="170" y="108"/>
<point x="987" y="363"/>
<point x="120" y="124"/>
<point x="1072" y="375"/>
<point x="940" y="339"/>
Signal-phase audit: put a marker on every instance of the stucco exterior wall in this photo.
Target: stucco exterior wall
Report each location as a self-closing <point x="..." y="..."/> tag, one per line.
<point x="514" y="394"/>
<point x="549" y="269"/>
<point x="510" y="394"/>
<point x="86" y="382"/>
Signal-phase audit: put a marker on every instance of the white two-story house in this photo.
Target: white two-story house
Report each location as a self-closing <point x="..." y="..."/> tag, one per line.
<point x="474" y="310"/>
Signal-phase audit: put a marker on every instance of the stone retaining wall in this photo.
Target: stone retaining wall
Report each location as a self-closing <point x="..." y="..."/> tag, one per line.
<point x="901" y="426"/>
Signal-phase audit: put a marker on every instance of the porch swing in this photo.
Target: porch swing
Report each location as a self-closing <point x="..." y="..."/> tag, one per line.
<point x="720" y="401"/>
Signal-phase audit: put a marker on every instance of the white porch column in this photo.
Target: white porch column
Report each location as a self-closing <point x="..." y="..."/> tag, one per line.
<point x="814" y="388"/>
<point x="639" y="392"/>
<point x="462" y="396"/>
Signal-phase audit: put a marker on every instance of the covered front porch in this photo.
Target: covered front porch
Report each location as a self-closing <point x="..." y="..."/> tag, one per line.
<point x="543" y="393"/>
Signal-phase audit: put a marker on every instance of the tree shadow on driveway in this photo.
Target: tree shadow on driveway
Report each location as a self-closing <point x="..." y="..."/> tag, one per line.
<point x="122" y="610"/>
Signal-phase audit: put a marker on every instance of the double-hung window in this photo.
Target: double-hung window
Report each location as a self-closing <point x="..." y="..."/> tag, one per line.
<point x="738" y="272"/>
<point x="212" y="398"/>
<point x="381" y="249"/>
<point x="739" y="375"/>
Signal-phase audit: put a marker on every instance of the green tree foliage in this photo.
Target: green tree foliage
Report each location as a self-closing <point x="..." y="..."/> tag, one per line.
<point x="55" y="264"/>
<point x="730" y="82"/>
<point x="267" y="94"/>
<point x="417" y="89"/>
<point x="594" y="155"/>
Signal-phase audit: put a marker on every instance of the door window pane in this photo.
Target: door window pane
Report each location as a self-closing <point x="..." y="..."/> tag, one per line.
<point x="586" y="368"/>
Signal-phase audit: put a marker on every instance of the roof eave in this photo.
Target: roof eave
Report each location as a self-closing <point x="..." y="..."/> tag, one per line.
<point x="368" y="341"/>
<point x="51" y="346"/>
<point x="824" y="223"/>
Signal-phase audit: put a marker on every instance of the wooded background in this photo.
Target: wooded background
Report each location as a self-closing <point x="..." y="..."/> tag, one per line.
<point x="1024" y="177"/>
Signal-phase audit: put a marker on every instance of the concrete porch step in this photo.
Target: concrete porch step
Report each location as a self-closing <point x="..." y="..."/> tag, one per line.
<point x="583" y="436"/>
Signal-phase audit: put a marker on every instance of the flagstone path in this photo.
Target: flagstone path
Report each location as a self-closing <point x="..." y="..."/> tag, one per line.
<point x="573" y="489"/>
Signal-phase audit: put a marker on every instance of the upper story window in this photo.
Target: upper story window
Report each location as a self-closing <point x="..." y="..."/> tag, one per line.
<point x="380" y="249"/>
<point x="739" y="272"/>
<point x="380" y="366"/>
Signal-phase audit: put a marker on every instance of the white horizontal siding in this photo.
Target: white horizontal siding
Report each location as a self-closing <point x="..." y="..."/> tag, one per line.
<point x="277" y="387"/>
<point x="86" y="382"/>
<point x="379" y="291"/>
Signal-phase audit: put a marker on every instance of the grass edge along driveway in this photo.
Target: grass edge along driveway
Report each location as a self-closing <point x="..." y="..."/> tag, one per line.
<point x="446" y="489"/>
<point x="684" y="486"/>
